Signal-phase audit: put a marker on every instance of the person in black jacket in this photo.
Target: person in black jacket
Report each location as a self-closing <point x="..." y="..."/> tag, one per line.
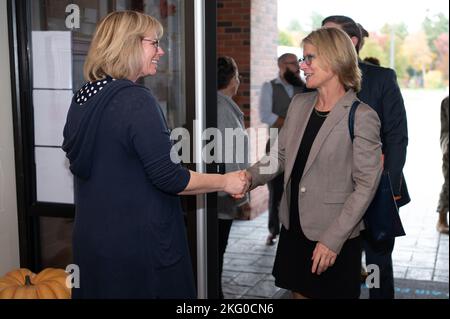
<point x="380" y="90"/>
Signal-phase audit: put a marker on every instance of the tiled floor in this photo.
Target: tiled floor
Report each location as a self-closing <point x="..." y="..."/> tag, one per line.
<point x="421" y="255"/>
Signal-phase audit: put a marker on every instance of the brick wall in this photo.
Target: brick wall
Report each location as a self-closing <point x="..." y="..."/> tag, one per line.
<point x="233" y="39"/>
<point x="247" y="31"/>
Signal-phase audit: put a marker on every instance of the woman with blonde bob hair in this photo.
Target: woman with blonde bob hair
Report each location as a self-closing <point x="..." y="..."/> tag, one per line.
<point x="129" y="238"/>
<point x="329" y="180"/>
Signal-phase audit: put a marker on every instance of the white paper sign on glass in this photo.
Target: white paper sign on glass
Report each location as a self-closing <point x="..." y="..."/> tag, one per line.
<point x="50" y="113"/>
<point x="54" y="181"/>
<point x="52" y="59"/>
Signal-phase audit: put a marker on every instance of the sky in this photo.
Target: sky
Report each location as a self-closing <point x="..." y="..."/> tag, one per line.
<point x="371" y="14"/>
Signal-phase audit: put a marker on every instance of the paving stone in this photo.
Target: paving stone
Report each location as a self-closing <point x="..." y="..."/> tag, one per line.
<point x="400" y="272"/>
<point x="441" y="272"/>
<point x="419" y="273"/>
<point x="440" y="279"/>
<point x="422" y="255"/>
<point x="240" y="262"/>
<point x="265" y="261"/>
<point x="234" y="289"/>
<point x="248" y="279"/>
<point x="264" y="289"/>
<point x="441" y="264"/>
<point x="251" y="268"/>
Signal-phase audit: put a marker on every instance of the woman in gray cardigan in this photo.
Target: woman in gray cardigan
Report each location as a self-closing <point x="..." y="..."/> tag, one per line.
<point x="234" y="148"/>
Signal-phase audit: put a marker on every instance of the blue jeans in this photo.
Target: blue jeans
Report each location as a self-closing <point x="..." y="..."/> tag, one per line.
<point x="381" y="255"/>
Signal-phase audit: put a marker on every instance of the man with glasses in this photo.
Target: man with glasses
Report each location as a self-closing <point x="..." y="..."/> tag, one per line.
<point x="380" y="90"/>
<point x="276" y="95"/>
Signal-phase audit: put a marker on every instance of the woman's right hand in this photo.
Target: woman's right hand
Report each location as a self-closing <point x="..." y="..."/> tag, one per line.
<point x="236" y="184"/>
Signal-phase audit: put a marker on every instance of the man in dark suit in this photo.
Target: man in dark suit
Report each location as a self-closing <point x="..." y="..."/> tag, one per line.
<point x="380" y="90"/>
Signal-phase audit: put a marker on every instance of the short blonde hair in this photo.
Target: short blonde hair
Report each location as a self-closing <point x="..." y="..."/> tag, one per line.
<point x="336" y="49"/>
<point x="116" y="48"/>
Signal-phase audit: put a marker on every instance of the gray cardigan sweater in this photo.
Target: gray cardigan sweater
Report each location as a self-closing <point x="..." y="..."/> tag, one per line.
<point x="235" y="155"/>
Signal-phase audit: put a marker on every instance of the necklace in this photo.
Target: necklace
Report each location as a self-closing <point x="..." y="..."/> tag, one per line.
<point x="321" y="114"/>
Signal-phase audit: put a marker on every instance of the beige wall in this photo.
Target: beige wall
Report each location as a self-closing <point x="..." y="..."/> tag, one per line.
<point x="9" y="238"/>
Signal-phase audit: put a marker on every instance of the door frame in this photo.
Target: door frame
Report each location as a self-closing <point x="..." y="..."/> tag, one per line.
<point x="30" y="210"/>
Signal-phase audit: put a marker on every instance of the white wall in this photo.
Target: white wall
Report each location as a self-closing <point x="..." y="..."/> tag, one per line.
<point x="9" y="238"/>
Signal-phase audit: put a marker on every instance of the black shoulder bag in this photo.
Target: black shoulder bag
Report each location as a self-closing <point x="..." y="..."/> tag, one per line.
<point x="382" y="218"/>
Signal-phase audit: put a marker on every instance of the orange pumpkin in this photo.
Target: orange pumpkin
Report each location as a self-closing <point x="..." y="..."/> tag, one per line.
<point x="23" y="284"/>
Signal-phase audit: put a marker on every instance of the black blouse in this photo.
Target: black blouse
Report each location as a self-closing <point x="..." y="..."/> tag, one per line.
<point x="314" y="124"/>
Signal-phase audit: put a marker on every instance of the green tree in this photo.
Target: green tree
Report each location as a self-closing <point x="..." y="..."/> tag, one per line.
<point x="372" y="48"/>
<point x="434" y="26"/>
<point x="316" y="20"/>
<point x="441" y="44"/>
<point x="295" y="26"/>
<point x="417" y="52"/>
<point x="400" y="32"/>
<point x="285" y="38"/>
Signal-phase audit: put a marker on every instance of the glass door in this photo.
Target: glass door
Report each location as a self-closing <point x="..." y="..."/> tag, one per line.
<point x="50" y="40"/>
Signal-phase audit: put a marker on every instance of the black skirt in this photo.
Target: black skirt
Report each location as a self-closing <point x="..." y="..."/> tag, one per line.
<point x="292" y="268"/>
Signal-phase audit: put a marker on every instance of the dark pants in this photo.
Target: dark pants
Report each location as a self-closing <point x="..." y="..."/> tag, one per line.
<point x="275" y="193"/>
<point x="224" y="232"/>
<point x="443" y="198"/>
<point x="381" y="255"/>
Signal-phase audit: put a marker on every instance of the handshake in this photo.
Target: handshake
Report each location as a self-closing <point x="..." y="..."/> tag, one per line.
<point x="237" y="183"/>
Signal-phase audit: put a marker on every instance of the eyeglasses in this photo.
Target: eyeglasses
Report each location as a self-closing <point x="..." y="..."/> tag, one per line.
<point x="307" y="59"/>
<point x="155" y="43"/>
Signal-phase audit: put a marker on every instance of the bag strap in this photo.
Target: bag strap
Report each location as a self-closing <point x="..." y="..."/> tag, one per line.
<point x="351" y="119"/>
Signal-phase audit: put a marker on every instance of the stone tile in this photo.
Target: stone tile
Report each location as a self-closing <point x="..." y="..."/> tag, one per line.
<point x="266" y="261"/>
<point x="229" y="274"/>
<point x="270" y="277"/>
<point x="400" y="272"/>
<point x="443" y="251"/>
<point x="231" y="296"/>
<point x="241" y="255"/>
<point x="240" y="262"/>
<point x="441" y="272"/>
<point x="422" y="263"/>
<point x="422" y="254"/>
<point x="234" y="290"/>
<point x="401" y="263"/>
<point x="252" y="297"/>
<point x="248" y="279"/>
<point x="424" y="250"/>
<point x="441" y="264"/>
<point x="401" y="255"/>
<point x="251" y="268"/>
<point x="431" y="243"/>
<point x="419" y="273"/>
<point x="440" y="279"/>
<point x="423" y="260"/>
<point x="264" y="289"/>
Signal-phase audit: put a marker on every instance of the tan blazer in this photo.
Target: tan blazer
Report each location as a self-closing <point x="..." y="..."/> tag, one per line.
<point x="340" y="177"/>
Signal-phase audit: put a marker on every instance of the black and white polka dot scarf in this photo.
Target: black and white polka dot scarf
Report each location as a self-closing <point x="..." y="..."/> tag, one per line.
<point x="90" y="89"/>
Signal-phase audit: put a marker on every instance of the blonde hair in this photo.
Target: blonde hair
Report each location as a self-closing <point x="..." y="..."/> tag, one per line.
<point x="336" y="49"/>
<point x="116" y="48"/>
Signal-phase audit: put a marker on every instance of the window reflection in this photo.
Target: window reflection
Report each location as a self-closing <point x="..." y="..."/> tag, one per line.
<point x="168" y="86"/>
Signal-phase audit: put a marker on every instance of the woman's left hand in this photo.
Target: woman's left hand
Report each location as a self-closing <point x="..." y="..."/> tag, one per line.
<point x="322" y="257"/>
